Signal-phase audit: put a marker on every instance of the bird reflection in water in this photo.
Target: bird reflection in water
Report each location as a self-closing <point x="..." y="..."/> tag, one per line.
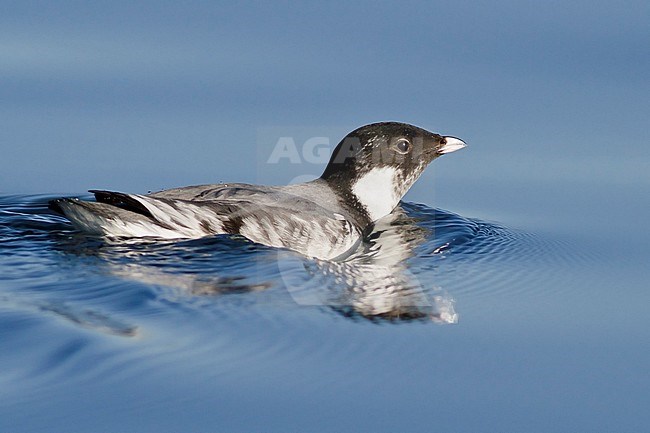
<point x="373" y="282"/>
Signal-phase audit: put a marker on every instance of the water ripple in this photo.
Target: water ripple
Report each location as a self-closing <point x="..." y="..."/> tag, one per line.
<point x="219" y="299"/>
<point x="413" y="265"/>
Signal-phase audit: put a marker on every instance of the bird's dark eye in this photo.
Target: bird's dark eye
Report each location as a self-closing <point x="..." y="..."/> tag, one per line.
<point x="403" y="146"/>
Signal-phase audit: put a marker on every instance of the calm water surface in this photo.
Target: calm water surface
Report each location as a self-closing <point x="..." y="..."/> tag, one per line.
<point x="516" y="300"/>
<point x="441" y="321"/>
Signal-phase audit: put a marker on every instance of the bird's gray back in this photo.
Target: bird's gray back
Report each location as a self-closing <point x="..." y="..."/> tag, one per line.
<point x="305" y="217"/>
<point x="313" y="197"/>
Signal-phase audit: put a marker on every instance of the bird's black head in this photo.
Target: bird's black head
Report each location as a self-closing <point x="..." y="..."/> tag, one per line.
<point x="378" y="163"/>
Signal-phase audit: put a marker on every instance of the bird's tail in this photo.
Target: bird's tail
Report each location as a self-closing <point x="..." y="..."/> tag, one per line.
<point x="111" y="216"/>
<point x="134" y="215"/>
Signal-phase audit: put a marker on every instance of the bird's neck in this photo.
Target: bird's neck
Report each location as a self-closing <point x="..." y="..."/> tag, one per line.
<point x="373" y="193"/>
<point x="376" y="192"/>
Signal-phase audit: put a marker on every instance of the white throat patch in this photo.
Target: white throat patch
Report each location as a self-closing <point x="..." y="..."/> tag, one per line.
<point x="376" y="192"/>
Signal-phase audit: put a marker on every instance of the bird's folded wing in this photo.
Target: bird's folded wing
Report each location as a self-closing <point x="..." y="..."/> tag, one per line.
<point x="272" y="218"/>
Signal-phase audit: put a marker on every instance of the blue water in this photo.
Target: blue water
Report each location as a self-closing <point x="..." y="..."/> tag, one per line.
<point x="454" y="323"/>
<point x="509" y="294"/>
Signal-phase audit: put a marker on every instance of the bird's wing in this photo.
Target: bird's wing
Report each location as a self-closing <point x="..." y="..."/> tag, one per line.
<point x="270" y="217"/>
<point x="222" y="191"/>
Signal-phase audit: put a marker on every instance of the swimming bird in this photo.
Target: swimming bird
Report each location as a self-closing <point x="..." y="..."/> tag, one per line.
<point x="368" y="173"/>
